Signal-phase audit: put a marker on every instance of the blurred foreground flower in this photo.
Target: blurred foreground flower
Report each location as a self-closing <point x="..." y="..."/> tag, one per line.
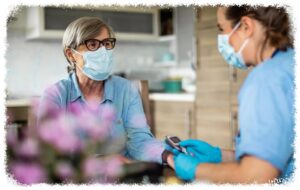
<point x="64" y="146"/>
<point x="28" y="173"/>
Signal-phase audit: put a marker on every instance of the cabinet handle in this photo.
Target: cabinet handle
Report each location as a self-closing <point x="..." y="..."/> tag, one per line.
<point x="188" y="123"/>
<point x="233" y="74"/>
<point x="233" y="126"/>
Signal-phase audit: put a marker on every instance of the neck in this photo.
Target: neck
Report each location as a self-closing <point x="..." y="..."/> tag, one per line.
<point x="91" y="90"/>
<point x="266" y="54"/>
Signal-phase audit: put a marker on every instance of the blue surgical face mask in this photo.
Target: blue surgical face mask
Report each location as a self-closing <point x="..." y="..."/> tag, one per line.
<point x="97" y="64"/>
<point x="231" y="57"/>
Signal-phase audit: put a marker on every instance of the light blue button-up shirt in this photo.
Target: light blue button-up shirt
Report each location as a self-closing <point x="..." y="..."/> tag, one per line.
<point x="130" y="126"/>
<point x="266" y="113"/>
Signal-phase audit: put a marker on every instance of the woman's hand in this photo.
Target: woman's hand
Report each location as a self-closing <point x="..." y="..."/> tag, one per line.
<point x="170" y="161"/>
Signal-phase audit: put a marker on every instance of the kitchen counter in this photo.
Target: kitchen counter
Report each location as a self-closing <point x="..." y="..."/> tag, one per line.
<point x="180" y="97"/>
<point x="21" y="102"/>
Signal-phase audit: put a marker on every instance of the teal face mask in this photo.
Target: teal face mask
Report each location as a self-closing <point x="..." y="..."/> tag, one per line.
<point x="233" y="58"/>
<point x="97" y="64"/>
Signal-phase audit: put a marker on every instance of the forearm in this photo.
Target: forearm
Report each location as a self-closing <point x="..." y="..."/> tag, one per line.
<point x="228" y="156"/>
<point x="249" y="170"/>
<point x="219" y="173"/>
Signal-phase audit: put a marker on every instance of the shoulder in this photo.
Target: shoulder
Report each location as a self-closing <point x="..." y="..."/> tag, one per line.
<point x="119" y="81"/>
<point x="57" y="89"/>
<point x="121" y="84"/>
<point x="119" y="88"/>
<point x="278" y="69"/>
<point x="281" y="65"/>
<point x="277" y="72"/>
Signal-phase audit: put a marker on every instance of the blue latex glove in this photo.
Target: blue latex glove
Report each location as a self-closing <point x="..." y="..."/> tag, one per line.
<point x="186" y="165"/>
<point x="202" y="150"/>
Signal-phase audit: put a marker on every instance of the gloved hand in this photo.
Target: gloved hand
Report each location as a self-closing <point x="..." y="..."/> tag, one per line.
<point x="186" y="165"/>
<point x="202" y="150"/>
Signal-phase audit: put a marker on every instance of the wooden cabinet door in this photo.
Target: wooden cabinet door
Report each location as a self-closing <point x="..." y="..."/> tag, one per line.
<point x="217" y="86"/>
<point x="172" y="118"/>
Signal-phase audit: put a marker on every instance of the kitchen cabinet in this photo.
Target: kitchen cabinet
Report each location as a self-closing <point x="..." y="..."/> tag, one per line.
<point x="129" y="23"/>
<point x="20" y="115"/>
<point x="180" y="33"/>
<point x="217" y="86"/>
<point x="172" y="116"/>
<point x="166" y="21"/>
<point x="18" y="111"/>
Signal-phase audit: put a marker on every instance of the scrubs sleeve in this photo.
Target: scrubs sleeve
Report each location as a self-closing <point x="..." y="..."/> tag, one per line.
<point x="265" y="117"/>
<point x="141" y="144"/>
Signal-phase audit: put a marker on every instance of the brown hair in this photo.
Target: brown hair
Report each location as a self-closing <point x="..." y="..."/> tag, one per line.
<point x="274" y="19"/>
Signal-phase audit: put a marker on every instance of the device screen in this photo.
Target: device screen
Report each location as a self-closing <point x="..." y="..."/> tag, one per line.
<point x="175" y="139"/>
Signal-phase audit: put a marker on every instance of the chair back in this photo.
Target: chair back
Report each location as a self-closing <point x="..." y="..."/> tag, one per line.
<point x="143" y="88"/>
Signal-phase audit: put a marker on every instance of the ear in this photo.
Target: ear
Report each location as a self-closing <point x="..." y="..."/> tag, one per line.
<point x="69" y="55"/>
<point x="247" y="26"/>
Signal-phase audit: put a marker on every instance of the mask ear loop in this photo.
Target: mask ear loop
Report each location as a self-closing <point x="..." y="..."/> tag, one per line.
<point x="234" y="28"/>
<point x="245" y="42"/>
<point x="75" y="51"/>
<point x="243" y="45"/>
<point x="74" y="63"/>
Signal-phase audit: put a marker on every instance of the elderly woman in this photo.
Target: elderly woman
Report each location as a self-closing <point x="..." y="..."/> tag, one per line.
<point x="88" y="45"/>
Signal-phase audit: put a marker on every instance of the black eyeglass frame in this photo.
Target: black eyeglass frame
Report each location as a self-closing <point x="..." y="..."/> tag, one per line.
<point x="101" y="43"/>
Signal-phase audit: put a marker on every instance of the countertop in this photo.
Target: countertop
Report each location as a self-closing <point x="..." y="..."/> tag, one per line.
<point x="20" y="102"/>
<point x="181" y="97"/>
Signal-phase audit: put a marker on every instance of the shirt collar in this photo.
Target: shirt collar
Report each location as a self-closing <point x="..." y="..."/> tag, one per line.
<point x="76" y="92"/>
<point x="109" y="89"/>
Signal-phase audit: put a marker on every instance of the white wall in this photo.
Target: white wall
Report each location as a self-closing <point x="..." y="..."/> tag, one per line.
<point x="32" y="65"/>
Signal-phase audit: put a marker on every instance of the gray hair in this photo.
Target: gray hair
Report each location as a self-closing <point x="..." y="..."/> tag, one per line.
<point x="83" y="29"/>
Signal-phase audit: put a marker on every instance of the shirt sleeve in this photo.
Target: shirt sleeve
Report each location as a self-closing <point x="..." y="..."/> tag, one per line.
<point x="265" y="120"/>
<point x="141" y="144"/>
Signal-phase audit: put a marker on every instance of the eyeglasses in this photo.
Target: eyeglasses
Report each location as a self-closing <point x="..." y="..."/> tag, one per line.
<point x="94" y="44"/>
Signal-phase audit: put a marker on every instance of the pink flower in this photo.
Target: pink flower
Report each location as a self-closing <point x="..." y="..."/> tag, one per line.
<point x="11" y="136"/>
<point x="35" y="103"/>
<point x="113" y="167"/>
<point x="64" y="170"/>
<point x="28" y="173"/>
<point x="45" y="109"/>
<point x="61" y="134"/>
<point x="102" y="170"/>
<point x="107" y="112"/>
<point x="93" y="167"/>
<point x="93" y="126"/>
<point x="75" y="108"/>
<point x="28" y="148"/>
<point x="92" y="106"/>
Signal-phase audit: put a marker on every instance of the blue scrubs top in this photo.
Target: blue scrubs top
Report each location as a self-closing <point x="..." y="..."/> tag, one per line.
<point x="130" y="126"/>
<point x="266" y="113"/>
